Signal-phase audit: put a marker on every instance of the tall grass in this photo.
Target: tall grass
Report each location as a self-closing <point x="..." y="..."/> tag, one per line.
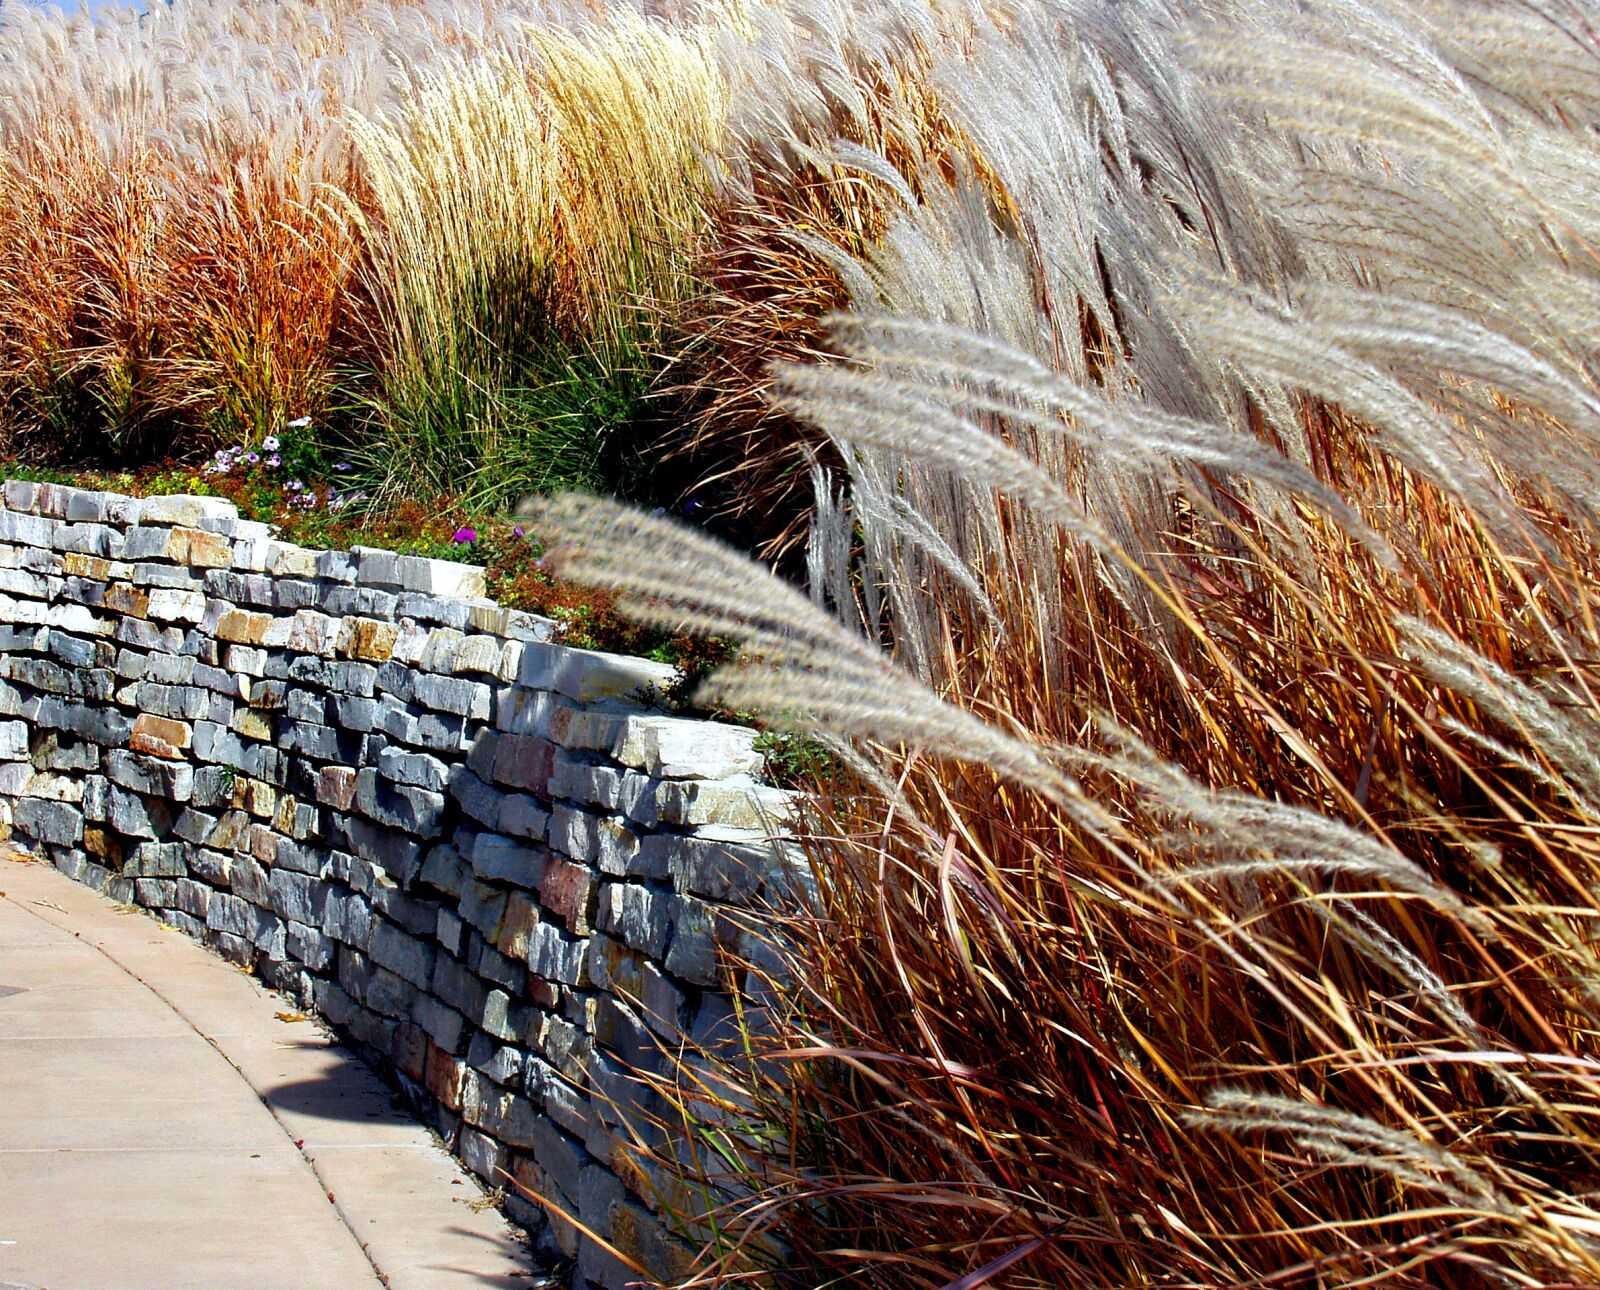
<point x="1205" y="620"/>
<point x="462" y="228"/>
<point x="529" y="217"/>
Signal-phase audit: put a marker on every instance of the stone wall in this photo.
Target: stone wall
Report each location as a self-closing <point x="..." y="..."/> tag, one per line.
<point x="478" y="852"/>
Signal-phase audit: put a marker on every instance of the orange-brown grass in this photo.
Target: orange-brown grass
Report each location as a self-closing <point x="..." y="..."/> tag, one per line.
<point x="767" y="286"/>
<point x="1006" y="1045"/>
<point x="260" y="278"/>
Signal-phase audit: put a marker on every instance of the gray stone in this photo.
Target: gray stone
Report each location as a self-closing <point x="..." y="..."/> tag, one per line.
<point x="680" y="748"/>
<point x="739" y="802"/>
<point x="407" y="956"/>
<point x="418" y="770"/>
<point x="157" y="860"/>
<point x="152" y="776"/>
<point x="445" y="1026"/>
<point x="310" y="946"/>
<point x="411" y="810"/>
<point x="496" y="858"/>
<point x="187" y="512"/>
<point x="298" y="896"/>
<point x="454" y="695"/>
<point x="586" y="677"/>
<point x="249" y="880"/>
<point x="134" y="816"/>
<point x="55" y="823"/>
<point x="478" y="800"/>
<point x="523" y="817"/>
<point x="640" y="916"/>
<point x="556" y="956"/>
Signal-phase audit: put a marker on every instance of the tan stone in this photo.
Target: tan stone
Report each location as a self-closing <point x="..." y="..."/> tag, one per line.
<point x="444" y="1075"/>
<point x="242" y="627"/>
<point x="251" y="724"/>
<point x="160" y="737"/>
<point x="368" y="639"/>
<point x="283" y="817"/>
<point x="522" y="916"/>
<point x="103" y="845"/>
<point x="124" y="599"/>
<point x="75" y="564"/>
<point x="207" y="550"/>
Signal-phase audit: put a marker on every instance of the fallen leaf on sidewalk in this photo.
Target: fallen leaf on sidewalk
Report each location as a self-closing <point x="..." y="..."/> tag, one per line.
<point x="291" y="1016"/>
<point x="50" y="904"/>
<point x="125" y="909"/>
<point x="481" y="1203"/>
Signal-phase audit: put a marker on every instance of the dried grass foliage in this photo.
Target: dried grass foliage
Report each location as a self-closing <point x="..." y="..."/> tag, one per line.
<point x="1206" y="895"/>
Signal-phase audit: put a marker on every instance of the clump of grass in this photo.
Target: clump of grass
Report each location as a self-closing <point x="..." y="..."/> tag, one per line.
<point x="1205" y="884"/>
<point x="531" y="220"/>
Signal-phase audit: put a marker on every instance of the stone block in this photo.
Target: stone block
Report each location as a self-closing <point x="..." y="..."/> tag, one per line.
<point x="606" y="842"/>
<point x="134" y="816"/>
<point x="14" y="741"/>
<point x="172" y="605"/>
<point x="313" y="633"/>
<point x="411" y="810"/>
<point x="151" y="776"/>
<point x="244" y="627"/>
<point x="366" y="639"/>
<point x="515" y="934"/>
<point x="408" y="957"/>
<point x="557" y="956"/>
<point x="739" y="803"/>
<point x="298" y="896"/>
<point x="160" y="737"/>
<point x="418" y="770"/>
<point x="158" y="860"/>
<point x="454" y="695"/>
<point x="336" y="787"/>
<point x="680" y="748"/>
<point x="187" y="512"/>
<point x="571" y="892"/>
<point x="586" y="677"/>
<point x="56" y="823"/>
<point x="524" y="761"/>
<point x="522" y="816"/>
<point x="496" y="858"/>
<point x="640" y="916"/>
<point x="310" y="946"/>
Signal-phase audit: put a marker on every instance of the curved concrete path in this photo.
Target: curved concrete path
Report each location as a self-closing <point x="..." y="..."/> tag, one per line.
<point x="162" y="1127"/>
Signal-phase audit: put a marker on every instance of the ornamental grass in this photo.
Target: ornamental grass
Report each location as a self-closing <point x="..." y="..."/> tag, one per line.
<point x="1202" y="618"/>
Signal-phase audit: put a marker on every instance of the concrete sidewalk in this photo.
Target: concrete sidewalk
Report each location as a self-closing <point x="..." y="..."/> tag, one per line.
<point x="161" y="1127"/>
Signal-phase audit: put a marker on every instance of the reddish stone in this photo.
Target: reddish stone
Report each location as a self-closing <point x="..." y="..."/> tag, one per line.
<point x="569" y="891"/>
<point x="159" y="737"/>
<point x="524" y="761"/>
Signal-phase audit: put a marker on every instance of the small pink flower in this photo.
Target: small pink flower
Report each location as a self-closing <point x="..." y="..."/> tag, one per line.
<point x="463" y="536"/>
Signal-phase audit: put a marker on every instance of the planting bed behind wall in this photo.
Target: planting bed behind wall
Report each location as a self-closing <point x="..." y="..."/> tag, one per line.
<point x="480" y="853"/>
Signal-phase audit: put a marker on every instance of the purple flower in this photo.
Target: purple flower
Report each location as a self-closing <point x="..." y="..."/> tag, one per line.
<point x="342" y="467"/>
<point x="252" y="457"/>
<point x="270" y="443"/>
<point x="516" y="530"/>
<point x="274" y="460"/>
<point x="462" y="536"/>
<point x="293" y="486"/>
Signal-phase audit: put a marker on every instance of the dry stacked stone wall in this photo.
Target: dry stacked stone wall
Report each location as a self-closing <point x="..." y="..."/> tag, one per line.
<point x="478" y="852"/>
